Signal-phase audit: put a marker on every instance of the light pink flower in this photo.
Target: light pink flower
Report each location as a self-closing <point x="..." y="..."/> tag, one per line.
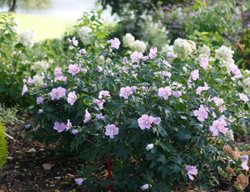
<point x="218" y="101"/>
<point x="218" y="125"/>
<point x="200" y="89"/>
<point x="203" y="62"/>
<point x="61" y="78"/>
<point x="58" y="75"/>
<point x="99" y="103"/>
<point x="25" y="89"/>
<point x="201" y="113"/>
<point x="111" y="130"/>
<point x="153" y="53"/>
<point x="146" y="121"/>
<point x="72" y="97"/>
<point x="125" y="92"/>
<point x="144" y="187"/>
<point x="30" y="81"/>
<point x="68" y="125"/>
<point x="79" y="181"/>
<point x="58" y="72"/>
<point x="57" y="93"/>
<point x="157" y="120"/>
<point x="194" y="75"/>
<point x="177" y="93"/>
<point x="244" y="162"/>
<point x="103" y="93"/>
<point x="164" y="92"/>
<point x="115" y="43"/>
<point x="243" y="97"/>
<point x="87" y="116"/>
<point x="165" y="74"/>
<point x="136" y="56"/>
<point x="74" y="131"/>
<point x="39" y="100"/>
<point x="235" y="71"/>
<point x="82" y="51"/>
<point x="149" y="146"/>
<point x="74" y="69"/>
<point x="59" y="127"/>
<point x="222" y="109"/>
<point x="100" y="116"/>
<point x="191" y="171"/>
<point x="99" y="69"/>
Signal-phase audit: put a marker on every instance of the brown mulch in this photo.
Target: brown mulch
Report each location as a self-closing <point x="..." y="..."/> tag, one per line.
<point x="24" y="170"/>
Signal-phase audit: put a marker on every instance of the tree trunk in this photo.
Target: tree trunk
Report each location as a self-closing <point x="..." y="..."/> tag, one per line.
<point x="12" y="5"/>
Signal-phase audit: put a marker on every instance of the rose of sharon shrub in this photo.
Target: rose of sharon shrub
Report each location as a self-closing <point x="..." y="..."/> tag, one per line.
<point x="162" y="120"/>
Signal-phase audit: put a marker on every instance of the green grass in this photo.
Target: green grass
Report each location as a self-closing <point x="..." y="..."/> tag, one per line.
<point x="44" y="27"/>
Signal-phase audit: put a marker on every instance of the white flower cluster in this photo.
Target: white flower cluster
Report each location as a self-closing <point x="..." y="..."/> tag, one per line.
<point x="225" y="56"/>
<point x="204" y="51"/>
<point x="40" y="66"/>
<point x="184" y="48"/>
<point x="224" y="53"/>
<point x="136" y="45"/>
<point x="26" y="38"/>
<point x="38" y="80"/>
<point x="85" y="34"/>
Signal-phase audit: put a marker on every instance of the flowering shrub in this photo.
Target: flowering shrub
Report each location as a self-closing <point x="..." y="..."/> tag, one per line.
<point x="161" y="118"/>
<point x="3" y="147"/>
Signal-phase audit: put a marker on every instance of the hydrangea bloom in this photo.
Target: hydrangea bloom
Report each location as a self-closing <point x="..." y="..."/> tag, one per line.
<point x="74" y="69"/>
<point x="201" y="113"/>
<point x="111" y="130"/>
<point x="40" y="66"/>
<point x="243" y="97"/>
<point x="136" y="56"/>
<point x="59" y="127"/>
<point x="128" y="40"/>
<point x="87" y="116"/>
<point x="152" y="53"/>
<point x="183" y="47"/>
<point x="146" y="121"/>
<point x="218" y="125"/>
<point x="223" y="53"/>
<point x="235" y="71"/>
<point x="39" y="100"/>
<point x="164" y="92"/>
<point x="115" y="43"/>
<point x="72" y="98"/>
<point x="194" y="75"/>
<point x="125" y="92"/>
<point x="57" y="93"/>
<point x="138" y="45"/>
<point x="38" y="80"/>
<point x="26" y="38"/>
<point x="191" y="171"/>
<point x="244" y="162"/>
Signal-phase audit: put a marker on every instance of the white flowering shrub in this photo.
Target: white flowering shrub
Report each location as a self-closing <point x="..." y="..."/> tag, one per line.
<point x="161" y="118"/>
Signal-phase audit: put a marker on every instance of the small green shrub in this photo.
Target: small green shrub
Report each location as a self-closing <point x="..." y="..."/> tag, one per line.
<point x="3" y="147"/>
